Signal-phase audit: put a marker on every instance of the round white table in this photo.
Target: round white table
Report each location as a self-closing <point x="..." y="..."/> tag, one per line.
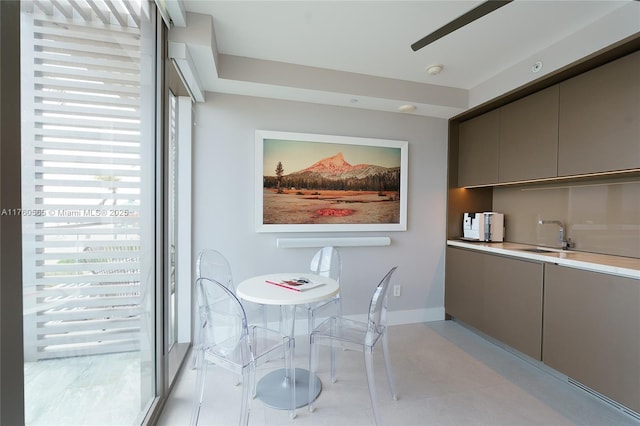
<point x="275" y="387"/>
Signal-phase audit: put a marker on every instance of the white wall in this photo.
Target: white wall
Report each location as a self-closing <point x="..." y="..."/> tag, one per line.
<point x="622" y="23"/>
<point x="223" y="199"/>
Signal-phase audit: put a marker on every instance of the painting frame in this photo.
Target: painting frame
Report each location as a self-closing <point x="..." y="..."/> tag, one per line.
<point x="396" y="153"/>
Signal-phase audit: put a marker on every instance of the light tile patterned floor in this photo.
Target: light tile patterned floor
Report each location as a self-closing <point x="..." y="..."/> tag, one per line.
<point x="85" y="390"/>
<point x="445" y="374"/>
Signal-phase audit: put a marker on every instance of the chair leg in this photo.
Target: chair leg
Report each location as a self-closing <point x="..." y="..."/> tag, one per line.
<point x="333" y="360"/>
<point x="248" y="391"/>
<point x="194" y="358"/>
<point x="368" y="363"/>
<point x="387" y="365"/>
<point x="265" y="321"/>
<point x="200" y="376"/>
<point x="310" y="319"/>
<point x="290" y="366"/>
<point x="334" y="325"/>
<point x="196" y="350"/>
<point x="313" y="369"/>
<point x="252" y="384"/>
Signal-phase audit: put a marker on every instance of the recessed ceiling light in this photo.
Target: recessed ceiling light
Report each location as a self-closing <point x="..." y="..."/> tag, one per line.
<point x="434" y="69"/>
<point x="407" y="108"/>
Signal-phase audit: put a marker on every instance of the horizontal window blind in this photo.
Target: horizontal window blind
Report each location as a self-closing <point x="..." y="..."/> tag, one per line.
<point x="81" y="181"/>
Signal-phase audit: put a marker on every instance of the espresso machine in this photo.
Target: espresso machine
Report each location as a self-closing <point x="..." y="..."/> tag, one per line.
<point x="484" y="226"/>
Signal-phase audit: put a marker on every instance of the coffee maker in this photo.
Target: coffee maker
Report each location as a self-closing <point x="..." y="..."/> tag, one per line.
<point x="484" y="226"/>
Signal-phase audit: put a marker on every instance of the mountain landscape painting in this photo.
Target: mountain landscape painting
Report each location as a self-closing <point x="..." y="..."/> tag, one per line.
<point x="316" y="182"/>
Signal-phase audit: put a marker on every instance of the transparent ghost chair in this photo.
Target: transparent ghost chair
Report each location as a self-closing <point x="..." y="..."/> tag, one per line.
<point x="213" y="265"/>
<point x="325" y="262"/>
<point x="229" y="343"/>
<point x="358" y="336"/>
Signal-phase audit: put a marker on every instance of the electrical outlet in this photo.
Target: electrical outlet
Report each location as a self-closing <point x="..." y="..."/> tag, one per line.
<point x="396" y="290"/>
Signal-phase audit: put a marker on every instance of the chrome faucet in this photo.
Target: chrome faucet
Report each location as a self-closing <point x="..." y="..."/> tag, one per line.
<point x="563" y="242"/>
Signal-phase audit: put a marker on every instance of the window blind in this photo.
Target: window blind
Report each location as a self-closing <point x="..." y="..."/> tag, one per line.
<point x="81" y="180"/>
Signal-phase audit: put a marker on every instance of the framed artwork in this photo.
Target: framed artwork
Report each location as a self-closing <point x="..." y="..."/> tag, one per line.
<point x="315" y="183"/>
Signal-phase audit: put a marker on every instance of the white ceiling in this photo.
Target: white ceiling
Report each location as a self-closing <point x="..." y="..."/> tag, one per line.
<point x="360" y="56"/>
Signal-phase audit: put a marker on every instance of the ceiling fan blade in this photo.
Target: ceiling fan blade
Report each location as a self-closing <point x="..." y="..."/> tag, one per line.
<point x="475" y="13"/>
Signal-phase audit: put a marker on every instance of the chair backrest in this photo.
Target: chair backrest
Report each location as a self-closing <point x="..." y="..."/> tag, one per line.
<point x="378" y="306"/>
<point x="213" y="265"/>
<point x="223" y="321"/>
<point x="326" y="262"/>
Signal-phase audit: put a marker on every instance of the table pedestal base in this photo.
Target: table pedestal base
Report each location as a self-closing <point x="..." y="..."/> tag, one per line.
<point x="274" y="389"/>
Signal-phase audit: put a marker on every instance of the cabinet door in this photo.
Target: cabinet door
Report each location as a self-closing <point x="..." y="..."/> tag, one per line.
<point x="591" y="331"/>
<point x="513" y="303"/>
<point x="600" y="119"/>
<point x="499" y="296"/>
<point x="478" y="150"/>
<point x="529" y="137"/>
<point x="463" y="285"/>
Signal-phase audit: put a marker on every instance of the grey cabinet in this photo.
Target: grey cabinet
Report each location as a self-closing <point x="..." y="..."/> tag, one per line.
<point x="516" y="142"/>
<point x="587" y="124"/>
<point x="464" y="285"/>
<point x="513" y="303"/>
<point x="592" y="332"/>
<point x="478" y="150"/>
<point x="499" y="296"/>
<point x="600" y="119"/>
<point x="528" y="135"/>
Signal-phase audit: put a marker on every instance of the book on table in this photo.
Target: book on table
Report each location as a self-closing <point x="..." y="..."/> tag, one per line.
<point x="297" y="284"/>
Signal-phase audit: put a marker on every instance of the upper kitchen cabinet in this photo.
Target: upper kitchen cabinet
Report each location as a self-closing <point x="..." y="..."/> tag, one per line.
<point x="528" y="132"/>
<point x="478" y="150"/>
<point x="599" y="127"/>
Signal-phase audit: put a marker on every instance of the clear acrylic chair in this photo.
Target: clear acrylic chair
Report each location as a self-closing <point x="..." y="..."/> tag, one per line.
<point x="359" y="336"/>
<point x="229" y="343"/>
<point x="213" y="265"/>
<point x="325" y="262"/>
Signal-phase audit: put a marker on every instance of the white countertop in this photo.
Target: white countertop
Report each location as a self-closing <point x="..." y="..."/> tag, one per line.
<point x="616" y="265"/>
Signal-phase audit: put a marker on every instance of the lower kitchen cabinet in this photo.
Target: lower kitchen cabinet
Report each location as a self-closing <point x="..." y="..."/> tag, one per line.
<point x="592" y="331"/>
<point x="464" y="285"/>
<point x="499" y="296"/>
<point x="513" y="303"/>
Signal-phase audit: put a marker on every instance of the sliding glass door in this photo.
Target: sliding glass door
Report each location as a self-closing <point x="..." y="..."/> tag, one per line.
<point x="89" y="207"/>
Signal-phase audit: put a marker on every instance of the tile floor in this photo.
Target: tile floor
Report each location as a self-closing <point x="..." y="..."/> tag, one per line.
<point x="84" y="390"/>
<point x="445" y="375"/>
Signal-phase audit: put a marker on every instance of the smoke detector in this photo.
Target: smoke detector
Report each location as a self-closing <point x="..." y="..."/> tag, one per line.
<point x="434" y="69"/>
<point x="407" y="108"/>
